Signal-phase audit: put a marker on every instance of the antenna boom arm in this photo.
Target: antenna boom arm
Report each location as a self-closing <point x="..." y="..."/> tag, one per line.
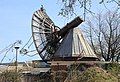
<point x="74" y="23"/>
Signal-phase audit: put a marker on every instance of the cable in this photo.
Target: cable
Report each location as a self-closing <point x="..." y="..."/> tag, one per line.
<point x="26" y="43"/>
<point x="8" y="48"/>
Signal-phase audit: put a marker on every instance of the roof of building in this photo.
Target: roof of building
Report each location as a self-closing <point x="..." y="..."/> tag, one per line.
<point x="13" y="63"/>
<point x="36" y="67"/>
<point x="39" y="70"/>
<point x="75" y="45"/>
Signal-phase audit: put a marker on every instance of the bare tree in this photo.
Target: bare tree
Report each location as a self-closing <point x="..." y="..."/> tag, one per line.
<point x="104" y="35"/>
<point x="69" y="6"/>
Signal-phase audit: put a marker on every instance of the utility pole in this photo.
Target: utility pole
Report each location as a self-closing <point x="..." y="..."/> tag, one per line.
<point x="16" y="62"/>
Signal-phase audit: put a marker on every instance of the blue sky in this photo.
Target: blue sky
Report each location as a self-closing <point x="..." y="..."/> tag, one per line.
<point x="15" y="21"/>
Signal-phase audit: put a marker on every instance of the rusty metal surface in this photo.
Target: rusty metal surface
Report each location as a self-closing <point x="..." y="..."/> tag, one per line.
<point x="74" y="23"/>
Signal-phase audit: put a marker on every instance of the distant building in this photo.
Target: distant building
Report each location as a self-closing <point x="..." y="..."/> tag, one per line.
<point x="31" y="71"/>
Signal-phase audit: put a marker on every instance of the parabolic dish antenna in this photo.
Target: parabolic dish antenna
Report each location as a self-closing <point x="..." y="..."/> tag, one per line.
<point x="46" y="36"/>
<point x="42" y="32"/>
